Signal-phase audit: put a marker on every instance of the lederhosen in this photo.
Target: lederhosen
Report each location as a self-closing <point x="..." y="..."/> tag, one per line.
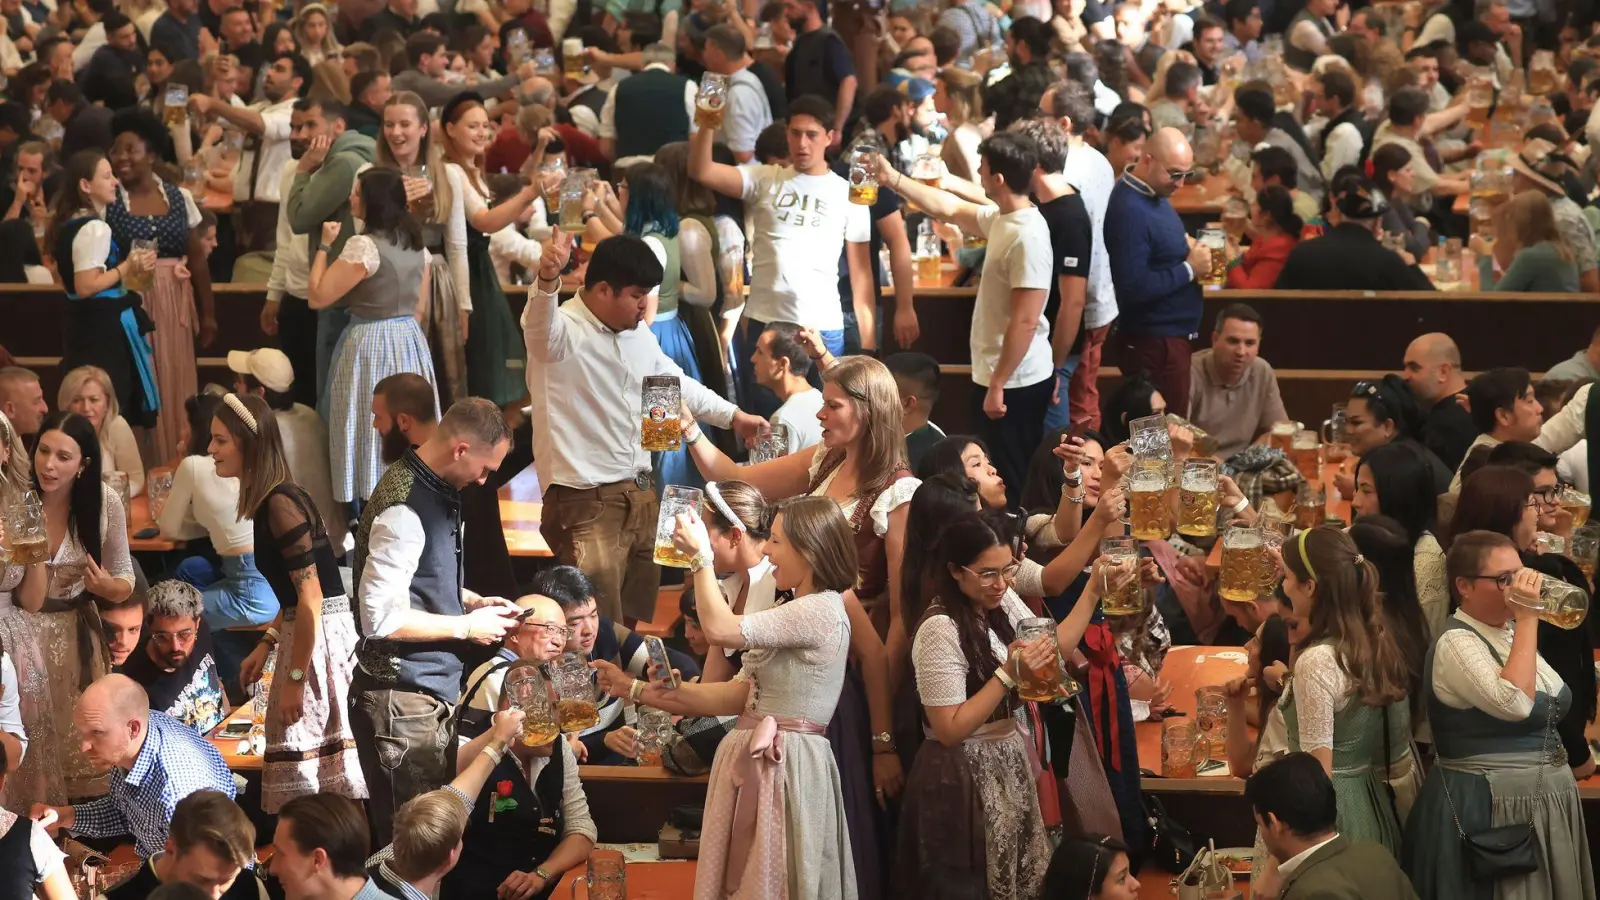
<point x="526" y="829"/>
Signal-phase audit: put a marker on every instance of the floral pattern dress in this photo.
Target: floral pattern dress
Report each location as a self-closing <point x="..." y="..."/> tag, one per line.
<point x="38" y="779"/>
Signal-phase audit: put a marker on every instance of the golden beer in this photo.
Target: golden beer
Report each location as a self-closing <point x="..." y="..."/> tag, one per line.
<point x="1579" y="511"/>
<point x="1151" y="520"/>
<point x="1281" y="437"/>
<point x="576" y="715"/>
<point x="974" y="242"/>
<point x="1541" y="81"/>
<point x="1127" y="600"/>
<point x="1215" y="240"/>
<point x="571" y="219"/>
<point x="1233" y="221"/>
<point x="1242" y="552"/>
<point x="537" y="734"/>
<point x="708" y="112"/>
<point x="573" y="65"/>
<point x="1587" y="565"/>
<point x="1311" y="512"/>
<point x="928" y="269"/>
<point x="1042" y="685"/>
<point x="649" y="757"/>
<point x="1337" y="452"/>
<point x="29" y="552"/>
<point x="865" y="193"/>
<point x="1309" y="461"/>
<point x="671" y="556"/>
<point x="1197" y="513"/>
<point x="174" y="115"/>
<point x="660" y="434"/>
<point x="1478" y="104"/>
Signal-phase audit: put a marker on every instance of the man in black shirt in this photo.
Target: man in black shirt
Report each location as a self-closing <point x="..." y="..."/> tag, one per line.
<point x="177" y="31"/>
<point x="1071" y="243"/>
<point x="173" y="661"/>
<point x="398" y="15"/>
<point x="819" y="63"/>
<point x="210" y="844"/>
<point x="1433" y="372"/>
<point x="239" y="38"/>
<point x="888" y="112"/>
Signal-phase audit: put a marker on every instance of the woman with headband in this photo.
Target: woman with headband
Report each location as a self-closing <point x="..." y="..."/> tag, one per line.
<point x="38" y="777"/>
<point x="739" y="524"/>
<point x="87" y="563"/>
<point x="1346" y="704"/>
<point x="310" y="748"/>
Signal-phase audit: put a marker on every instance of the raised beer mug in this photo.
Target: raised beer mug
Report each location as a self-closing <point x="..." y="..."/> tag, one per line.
<point x="661" y="400"/>
<point x="1198" y="496"/>
<point x="863" y="181"/>
<point x="1119" y="594"/>
<point x="578" y="695"/>
<point x="1052" y="682"/>
<point x="1243" y="556"/>
<point x="1557" y="602"/>
<point x="712" y="101"/>
<point x="527" y="690"/>
<point x="675" y="499"/>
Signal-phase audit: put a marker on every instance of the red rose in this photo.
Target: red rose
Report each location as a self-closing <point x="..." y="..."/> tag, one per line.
<point x="503" y="788"/>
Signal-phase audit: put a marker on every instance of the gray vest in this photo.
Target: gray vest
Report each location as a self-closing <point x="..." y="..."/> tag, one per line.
<point x="1297" y="58"/>
<point x="392" y="290"/>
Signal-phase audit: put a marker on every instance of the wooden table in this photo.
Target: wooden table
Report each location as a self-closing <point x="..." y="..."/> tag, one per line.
<point x="1186" y="669"/>
<point x="663" y="880"/>
<point x="140" y="515"/>
<point x="1205" y="198"/>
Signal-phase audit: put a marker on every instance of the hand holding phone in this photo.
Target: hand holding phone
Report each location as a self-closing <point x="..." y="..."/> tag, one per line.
<point x="661" y="673"/>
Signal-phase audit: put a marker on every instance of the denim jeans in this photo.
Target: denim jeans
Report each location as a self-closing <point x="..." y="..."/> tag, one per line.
<point x="753" y="398"/>
<point x="1060" y="411"/>
<point x="235" y="595"/>
<point x="406" y="742"/>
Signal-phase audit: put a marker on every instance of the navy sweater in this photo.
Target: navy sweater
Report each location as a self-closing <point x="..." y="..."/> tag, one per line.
<point x="1156" y="297"/>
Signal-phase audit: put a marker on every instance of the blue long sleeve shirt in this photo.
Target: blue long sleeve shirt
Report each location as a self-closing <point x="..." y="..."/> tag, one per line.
<point x="1157" y="295"/>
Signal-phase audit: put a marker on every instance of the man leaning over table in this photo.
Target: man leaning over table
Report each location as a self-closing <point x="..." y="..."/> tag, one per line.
<point x="587" y="360"/>
<point x="154" y="761"/>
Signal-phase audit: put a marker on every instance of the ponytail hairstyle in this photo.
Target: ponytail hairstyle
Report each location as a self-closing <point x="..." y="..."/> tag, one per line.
<point x="937" y="501"/>
<point x="1387" y="547"/>
<point x="961" y="542"/>
<point x="743" y="499"/>
<point x="1348" y="613"/>
<point x="1276" y="201"/>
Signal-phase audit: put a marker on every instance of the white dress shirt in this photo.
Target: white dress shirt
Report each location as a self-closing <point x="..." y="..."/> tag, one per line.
<point x="608" y="113"/>
<point x="1287" y="867"/>
<point x="1091" y="174"/>
<point x="1343" y="148"/>
<point x="799" y="415"/>
<point x="586" y="382"/>
<point x="274" y="153"/>
<point x="393" y="552"/>
<point x="291" y="263"/>
<point x="11" y="706"/>
<point x="1562" y="431"/>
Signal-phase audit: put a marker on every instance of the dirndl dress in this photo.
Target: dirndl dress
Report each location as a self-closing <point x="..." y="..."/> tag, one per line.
<point x="493" y="337"/>
<point x="38" y="778"/>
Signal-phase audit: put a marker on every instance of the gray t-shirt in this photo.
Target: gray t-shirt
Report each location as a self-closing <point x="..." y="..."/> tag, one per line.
<point x="1578" y="368"/>
<point x="748" y="114"/>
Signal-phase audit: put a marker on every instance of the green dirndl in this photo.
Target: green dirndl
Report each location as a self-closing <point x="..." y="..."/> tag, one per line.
<point x="493" y="337"/>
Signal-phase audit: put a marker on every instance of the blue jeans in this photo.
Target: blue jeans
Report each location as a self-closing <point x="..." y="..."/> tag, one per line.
<point x="235" y="595"/>
<point x="1060" y="412"/>
<point x="753" y="398"/>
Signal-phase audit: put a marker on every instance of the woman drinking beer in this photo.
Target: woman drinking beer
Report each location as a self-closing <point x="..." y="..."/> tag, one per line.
<point x="310" y="749"/>
<point x="1350" y="677"/>
<point x="739" y="523"/>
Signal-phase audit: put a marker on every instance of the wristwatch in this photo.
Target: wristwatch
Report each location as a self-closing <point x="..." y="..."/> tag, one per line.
<point x="297" y="675"/>
<point x="883" y="742"/>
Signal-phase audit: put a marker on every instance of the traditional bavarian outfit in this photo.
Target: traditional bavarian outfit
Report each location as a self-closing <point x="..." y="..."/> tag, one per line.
<point x="106" y="329"/>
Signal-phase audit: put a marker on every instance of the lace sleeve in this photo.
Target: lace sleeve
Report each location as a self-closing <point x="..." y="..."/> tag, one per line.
<point x="115" y="557"/>
<point x="897" y="493"/>
<point x="1433" y="591"/>
<point x="1320" y="689"/>
<point x="361" y="251"/>
<point x="296" y="532"/>
<point x="940" y="667"/>
<point x="807" y="623"/>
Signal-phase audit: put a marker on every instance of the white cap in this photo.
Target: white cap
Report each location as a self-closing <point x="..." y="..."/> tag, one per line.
<point x="268" y="365"/>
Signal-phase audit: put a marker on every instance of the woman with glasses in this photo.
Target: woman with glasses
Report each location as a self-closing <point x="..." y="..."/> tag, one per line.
<point x="1396" y="480"/>
<point x="1347" y="700"/>
<point x="971" y="816"/>
<point x="310" y="748"/>
<point x="1508" y="500"/>
<point x="1495" y="704"/>
<point x="1385" y="412"/>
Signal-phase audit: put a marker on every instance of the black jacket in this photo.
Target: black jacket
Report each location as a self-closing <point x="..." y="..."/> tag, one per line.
<point x="1348" y="258"/>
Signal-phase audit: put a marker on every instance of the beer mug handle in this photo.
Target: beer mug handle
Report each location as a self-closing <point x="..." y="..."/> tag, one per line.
<point x="583" y="880"/>
<point x="1203" y="744"/>
<point x="1327" y="431"/>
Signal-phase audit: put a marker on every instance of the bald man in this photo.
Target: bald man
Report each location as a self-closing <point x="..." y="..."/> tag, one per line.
<point x="1433" y="372"/>
<point x="1157" y="268"/>
<point x="154" y="761"/>
<point x="538" y="638"/>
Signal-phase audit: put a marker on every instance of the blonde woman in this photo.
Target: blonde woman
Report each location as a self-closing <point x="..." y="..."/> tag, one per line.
<point x="314" y="33"/>
<point x="959" y="95"/>
<point x="1531" y="252"/>
<point x="87" y="391"/>
<point x="38" y="778"/>
<point x="406" y="143"/>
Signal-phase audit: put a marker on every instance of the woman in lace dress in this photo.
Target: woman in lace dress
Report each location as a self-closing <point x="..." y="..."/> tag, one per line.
<point x="1350" y="681"/>
<point x="860" y="465"/>
<point x="774" y="819"/>
<point x="310" y="749"/>
<point x="37" y="776"/>
<point x="89" y="564"/>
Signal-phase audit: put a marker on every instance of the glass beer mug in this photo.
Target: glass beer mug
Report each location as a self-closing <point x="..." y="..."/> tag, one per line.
<point x="1585" y="547"/>
<point x="158" y="487"/>
<point x="1211" y="714"/>
<point x="517" y="47"/>
<point x="527" y="690"/>
<point x="1215" y="239"/>
<point x="1243" y="552"/>
<point x="118" y="483"/>
<point x="1119" y="594"/>
<point x="175" y="104"/>
<point x="1336" y="435"/>
<point x="141" y="279"/>
<point x="605" y="878"/>
<point x="1310" y="505"/>
<point x="770" y="446"/>
<point x="1305" y="450"/>
<point x="1183" y="748"/>
<point x="1198" y="497"/>
<point x="1480" y="96"/>
<point x="574" y="66"/>
<point x="652" y="735"/>
<point x="578" y="705"/>
<point x="1281" y="437"/>
<point x="1235" y="216"/>
<point x="863" y="183"/>
<point x="572" y="206"/>
<point x="930" y="255"/>
<point x="1575" y="502"/>
<point x="712" y="101"/>
<point x="544" y="61"/>
<point x="1052" y="682"/>
<point x="1557" y="602"/>
<point x="675" y="499"/>
<point x="1148" y="514"/>
<point x="660" y="427"/>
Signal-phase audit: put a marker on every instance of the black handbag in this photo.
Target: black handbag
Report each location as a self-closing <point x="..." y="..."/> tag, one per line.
<point x="1172" y="848"/>
<point x="1506" y="850"/>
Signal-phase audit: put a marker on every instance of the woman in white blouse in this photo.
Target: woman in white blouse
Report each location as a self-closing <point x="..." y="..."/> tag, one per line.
<point x="87" y="391"/>
<point x="973" y="780"/>
<point x="739" y="522"/>
<point x="1494" y="703"/>
<point x="238" y="599"/>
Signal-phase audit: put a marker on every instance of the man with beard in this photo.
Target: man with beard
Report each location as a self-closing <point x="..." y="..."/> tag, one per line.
<point x="404" y="414"/>
<point x="173" y="662"/>
<point x="888" y="111"/>
<point x="819" y="63"/>
<point x="315" y="186"/>
<point x="268" y="128"/>
<point x="108" y="78"/>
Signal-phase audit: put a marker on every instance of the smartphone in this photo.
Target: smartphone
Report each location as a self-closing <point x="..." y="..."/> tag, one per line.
<point x="1019" y="525"/>
<point x="238" y="728"/>
<point x="659" y="663"/>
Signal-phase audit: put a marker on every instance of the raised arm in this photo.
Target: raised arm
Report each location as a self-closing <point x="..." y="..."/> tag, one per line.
<point x="724" y="179"/>
<point x="544" y="332"/>
<point x="328" y="283"/>
<point x="933" y="201"/>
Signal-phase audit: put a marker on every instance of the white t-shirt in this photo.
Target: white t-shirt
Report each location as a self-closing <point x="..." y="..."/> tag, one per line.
<point x="1019" y="258"/>
<point x="799" y="415"/>
<point x="801" y="223"/>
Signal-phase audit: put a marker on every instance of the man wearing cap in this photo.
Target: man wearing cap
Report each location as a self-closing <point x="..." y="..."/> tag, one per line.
<point x="268" y="374"/>
<point x="748" y="111"/>
<point x="1538" y="166"/>
<point x="1348" y="256"/>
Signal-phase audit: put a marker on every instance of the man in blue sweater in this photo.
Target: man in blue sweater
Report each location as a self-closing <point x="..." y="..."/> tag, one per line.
<point x="1156" y="267"/>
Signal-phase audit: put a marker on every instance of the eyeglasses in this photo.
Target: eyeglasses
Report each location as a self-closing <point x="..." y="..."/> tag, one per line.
<point x="1501" y="581"/>
<point x="1550" y="496"/>
<point x="173" y="637"/>
<point x="560" y="631"/>
<point x="995" y="577"/>
<point x="1180" y="175"/>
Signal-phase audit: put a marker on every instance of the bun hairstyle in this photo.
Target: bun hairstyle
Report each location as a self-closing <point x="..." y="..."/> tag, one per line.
<point x="1347" y="612"/>
<point x="1276" y="201"/>
<point x="747" y="504"/>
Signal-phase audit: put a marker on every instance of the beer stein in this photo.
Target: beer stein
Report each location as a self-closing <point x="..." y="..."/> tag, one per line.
<point x="517" y="47"/>
<point x="1559" y="603"/>
<point x="1584" y="547"/>
<point x="141" y="279"/>
<point x="605" y="878"/>
<point x="544" y="61"/>
<point x="1183" y="748"/>
<point x="1542" y="76"/>
<point x="1575" y="502"/>
<point x="157" y="488"/>
<point x="1243" y="553"/>
<point x="527" y="690"/>
<point x="574" y="66"/>
<point x="1545" y="542"/>
<point x="175" y="104"/>
<point x="764" y="36"/>
<point x="930" y="255"/>
<point x="1052" y="682"/>
<point x="1235" y="216"/>
<point x="1310" y="505"/>
<point x="712" y="102"/>
<point x="552" y="172"/>
<point x="652" y="735"/>
<point x="578" y="705"/>
<point x="770" y="446"/>
<point x="863" y="181"/>
<point x="25" y="532"/>
<point x="675" y="499"/>
<point x="1480" y="96"/>
<point x="661" y="400"/>
<point x="1215" y="239"/>
<point x="1148" y="513"/>
<point x="118" y="483"/>
<point x="1336" y="435"/>
<point x="1305" y="450"/>
<point x="573" y="191"/>
<point x="1281" y="436"/>
<point x="1211" y="714"/>
<point x="1119" y="597"/>
<point x="1197" y="498"/>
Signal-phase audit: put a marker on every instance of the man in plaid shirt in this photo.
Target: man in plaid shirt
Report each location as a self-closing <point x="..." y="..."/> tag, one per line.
<point x="154" y="760"/>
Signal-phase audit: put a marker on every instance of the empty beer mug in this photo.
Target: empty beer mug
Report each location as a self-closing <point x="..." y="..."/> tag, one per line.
<point x="527" y="690"/>
<point x="1198" y="496"/>
<point x="771" y="445"/>
<point x="605" y="877"/>
<point x="1336" y="435"/>
<point x="157" y="488"/>
<point x="675" y="499"/>
<point x="118" y="483"/>
<point x="1183" y="748"/>
<point x="1148" y="438"/>
<point x="1211" y="714"/>
<point x="660" y="427"/>
<point x="578" y="694"/>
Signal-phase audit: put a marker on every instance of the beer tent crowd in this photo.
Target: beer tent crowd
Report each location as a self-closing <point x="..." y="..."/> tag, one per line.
<point x="910" y="663"/>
